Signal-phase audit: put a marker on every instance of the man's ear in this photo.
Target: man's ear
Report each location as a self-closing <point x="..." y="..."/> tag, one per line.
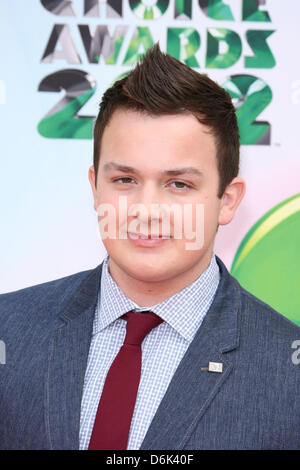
<point x="231" y="199"/>
<point x="92" y="178"/>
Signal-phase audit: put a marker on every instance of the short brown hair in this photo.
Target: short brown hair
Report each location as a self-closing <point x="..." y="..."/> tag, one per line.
<point x="159" y="85"/>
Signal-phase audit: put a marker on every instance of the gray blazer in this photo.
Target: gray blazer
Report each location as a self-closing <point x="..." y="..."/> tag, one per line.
<point x="252" y="404"/>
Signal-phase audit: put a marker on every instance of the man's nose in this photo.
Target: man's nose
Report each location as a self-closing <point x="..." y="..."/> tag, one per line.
<point x="148" y="202"/>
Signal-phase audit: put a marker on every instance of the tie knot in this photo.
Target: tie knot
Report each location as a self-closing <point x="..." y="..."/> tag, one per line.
<point x="139" y="325"/>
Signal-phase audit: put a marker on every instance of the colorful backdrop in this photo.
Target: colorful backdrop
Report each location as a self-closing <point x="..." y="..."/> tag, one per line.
<point x="57" y="59"/>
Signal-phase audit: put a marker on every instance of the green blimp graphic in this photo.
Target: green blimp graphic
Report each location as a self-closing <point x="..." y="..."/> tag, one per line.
<point x="267" y="262"/>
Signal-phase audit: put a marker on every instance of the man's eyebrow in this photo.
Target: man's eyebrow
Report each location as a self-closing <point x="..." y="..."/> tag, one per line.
<point x="174" y="172"/>
<point x="181" y="171"/>
<point x="118" y="166"/>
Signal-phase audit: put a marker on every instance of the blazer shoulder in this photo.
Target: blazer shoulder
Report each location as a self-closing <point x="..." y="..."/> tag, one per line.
<point x="262" y="314"/>
<point x="42" y="299"/>
<point x="254" y="315"/>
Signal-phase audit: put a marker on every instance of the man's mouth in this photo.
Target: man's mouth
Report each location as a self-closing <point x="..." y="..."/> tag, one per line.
<point x="136" y="236"/>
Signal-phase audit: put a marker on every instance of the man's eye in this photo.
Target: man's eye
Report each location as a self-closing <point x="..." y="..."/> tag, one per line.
<point x="123" y="180"/>
<point x="180" y="185"/>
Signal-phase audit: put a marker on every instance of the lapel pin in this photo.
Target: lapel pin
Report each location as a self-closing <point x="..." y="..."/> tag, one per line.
<point x="214" y="367"/>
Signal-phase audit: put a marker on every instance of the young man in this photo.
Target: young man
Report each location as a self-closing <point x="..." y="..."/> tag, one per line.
<point x="158" y="347"/>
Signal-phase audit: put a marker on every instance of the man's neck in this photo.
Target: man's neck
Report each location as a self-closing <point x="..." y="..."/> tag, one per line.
<point x="149" y="293"/>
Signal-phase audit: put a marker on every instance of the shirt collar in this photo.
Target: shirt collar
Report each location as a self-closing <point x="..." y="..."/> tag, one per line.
<point x="183" y="311"/>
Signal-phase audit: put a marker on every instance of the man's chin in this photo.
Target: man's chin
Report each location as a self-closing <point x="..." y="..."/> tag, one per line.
<point x="142" y="268"/>
<point x="150" y="276"/>
<point x="147" y="273"/>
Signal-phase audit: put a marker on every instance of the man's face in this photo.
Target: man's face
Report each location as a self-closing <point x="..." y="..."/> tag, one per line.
<point x="158" y="160"/>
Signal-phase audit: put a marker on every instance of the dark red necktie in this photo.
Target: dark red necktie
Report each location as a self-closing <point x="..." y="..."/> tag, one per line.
<point x="116" y="405"/>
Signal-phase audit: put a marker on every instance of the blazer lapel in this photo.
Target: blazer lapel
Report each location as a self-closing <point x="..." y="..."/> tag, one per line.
<point x="67" y="365"/>
<point x="192" y="389"/>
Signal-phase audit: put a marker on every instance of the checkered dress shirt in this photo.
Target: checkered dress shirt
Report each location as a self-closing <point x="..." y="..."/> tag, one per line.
<point x="162" y="349"/>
